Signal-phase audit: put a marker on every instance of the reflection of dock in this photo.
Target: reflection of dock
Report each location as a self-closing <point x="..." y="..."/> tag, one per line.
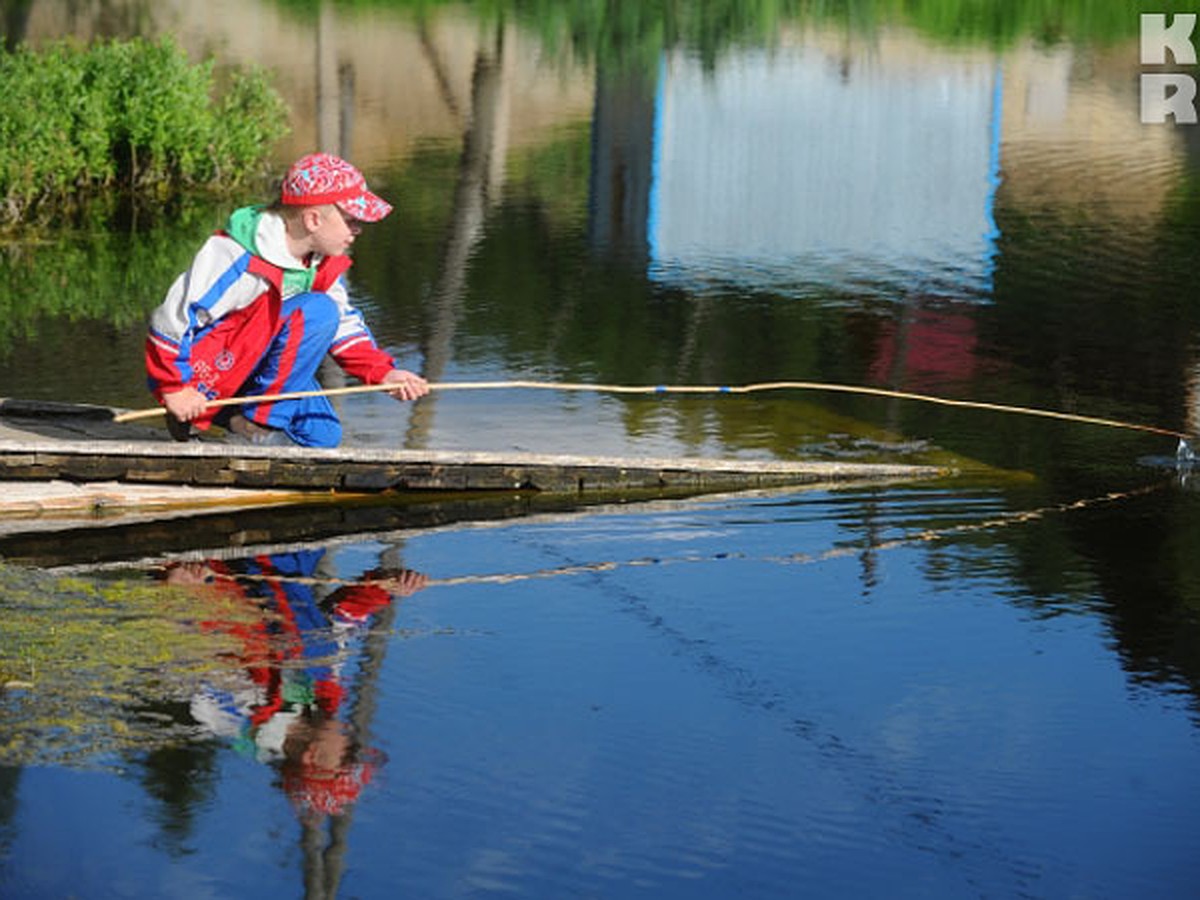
<point x="91" y="541"/>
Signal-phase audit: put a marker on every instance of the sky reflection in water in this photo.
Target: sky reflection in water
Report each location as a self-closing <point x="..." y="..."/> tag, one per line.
<point x="910" y="691"/>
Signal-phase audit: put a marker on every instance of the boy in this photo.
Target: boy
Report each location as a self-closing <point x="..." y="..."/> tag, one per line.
<point x="260" y="306"/>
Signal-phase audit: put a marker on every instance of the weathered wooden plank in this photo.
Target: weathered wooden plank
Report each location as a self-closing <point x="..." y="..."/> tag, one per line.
<point x="369" y="477"/>
<point x="153" y="471"/>
<point x="93" y="468"/>
<point x="213" y="473"/>
<point x="63" y="498"/>
<point x="374" y="469"/>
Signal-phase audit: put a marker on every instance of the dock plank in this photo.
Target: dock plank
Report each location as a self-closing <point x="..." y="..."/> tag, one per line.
<point x="203" y="464"/>
<point x="59" y="499"/>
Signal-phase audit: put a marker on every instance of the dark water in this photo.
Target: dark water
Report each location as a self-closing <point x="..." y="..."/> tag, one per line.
<point x="980" y="687"/>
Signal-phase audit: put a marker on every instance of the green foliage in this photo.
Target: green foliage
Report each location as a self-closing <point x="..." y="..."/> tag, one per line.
<point x="251" y="117"/>
<point x="626" y="33"/>
<point x="1003" y="22"/>
<point x="98" y="274"/>
<point x="79" y="660"/>
<point x="130" y="114"/>
<point x="632" y="34"/>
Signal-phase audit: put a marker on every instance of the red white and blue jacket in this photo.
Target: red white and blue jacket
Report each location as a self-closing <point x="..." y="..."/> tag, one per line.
<point x="241" y="276"/>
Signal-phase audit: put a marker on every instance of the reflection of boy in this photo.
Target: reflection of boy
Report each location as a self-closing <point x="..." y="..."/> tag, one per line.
<point x="284" y="709"/>
<point x="261" y="305"/>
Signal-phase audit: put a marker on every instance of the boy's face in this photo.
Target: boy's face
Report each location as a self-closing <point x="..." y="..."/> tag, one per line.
<point x="331" y="230"/>
<point x="327" y="752"/>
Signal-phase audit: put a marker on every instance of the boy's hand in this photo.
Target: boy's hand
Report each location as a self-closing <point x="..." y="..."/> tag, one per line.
<point x="409" y="386"/>
<point x="405" y="584"/>
<point x="186" y="404"/>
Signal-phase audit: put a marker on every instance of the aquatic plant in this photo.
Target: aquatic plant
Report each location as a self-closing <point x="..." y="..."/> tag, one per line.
<point x="133" y="115"/>
<point x="83" y="664"/>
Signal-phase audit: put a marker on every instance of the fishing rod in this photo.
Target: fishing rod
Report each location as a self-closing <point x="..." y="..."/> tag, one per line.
<point x="679" y="389"/>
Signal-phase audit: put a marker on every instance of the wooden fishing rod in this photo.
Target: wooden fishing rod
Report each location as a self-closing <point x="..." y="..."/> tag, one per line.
<point x="679" y="389"/>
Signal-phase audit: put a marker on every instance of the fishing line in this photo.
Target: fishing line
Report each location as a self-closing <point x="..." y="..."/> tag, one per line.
<point x="681" y="389"/>
<point x="852" y="549"/>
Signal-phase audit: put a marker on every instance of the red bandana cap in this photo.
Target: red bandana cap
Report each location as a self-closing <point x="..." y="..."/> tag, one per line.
<point x="324" y="178"/>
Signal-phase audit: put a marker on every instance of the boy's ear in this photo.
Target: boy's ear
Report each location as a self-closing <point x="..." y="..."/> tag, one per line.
<point x="312" y="218"/>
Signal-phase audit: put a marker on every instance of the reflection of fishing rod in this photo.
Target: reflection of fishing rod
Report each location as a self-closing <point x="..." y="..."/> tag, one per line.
<point x="923" y="536"/>
<point x="677" y="389"/>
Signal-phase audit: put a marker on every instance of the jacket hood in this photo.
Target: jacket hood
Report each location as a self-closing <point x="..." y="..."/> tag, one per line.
<point x="242" y="226"/>
<point x="263" y="233"/>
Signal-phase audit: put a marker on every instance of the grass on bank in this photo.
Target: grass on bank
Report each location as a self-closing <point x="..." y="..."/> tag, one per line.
<point x="137" y="116"/>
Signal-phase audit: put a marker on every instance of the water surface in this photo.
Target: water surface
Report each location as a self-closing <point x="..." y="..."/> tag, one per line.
<point x="985" y="686"/>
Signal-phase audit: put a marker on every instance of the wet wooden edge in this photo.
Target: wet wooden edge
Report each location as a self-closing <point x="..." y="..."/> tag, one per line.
<point x="365" y="470"/>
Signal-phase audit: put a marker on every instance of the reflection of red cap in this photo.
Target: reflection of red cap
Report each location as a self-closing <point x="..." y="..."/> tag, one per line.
<point x="324" y="178"/>
<point x="330" y="791"/>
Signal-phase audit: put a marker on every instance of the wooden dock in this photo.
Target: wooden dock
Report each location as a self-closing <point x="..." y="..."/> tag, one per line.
<point x="70" y="459"/>
<point x="366" y="470"/>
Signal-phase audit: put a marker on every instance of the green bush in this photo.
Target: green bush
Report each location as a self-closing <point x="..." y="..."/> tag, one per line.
<point x="126" y="114"/>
